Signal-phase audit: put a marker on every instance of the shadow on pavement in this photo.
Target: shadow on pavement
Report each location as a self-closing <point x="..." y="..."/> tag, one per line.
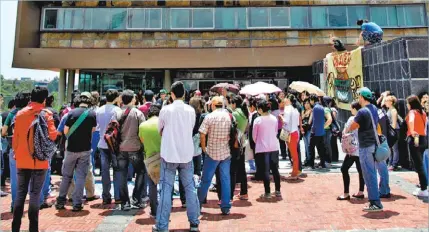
<point x="9" y="215"/>
<point x="69" y="213"/>
<point x="178" y="209"/>
<point x="239" y="203"/>
<point x="357" y="201"/>
<point x="393" y="197"/>
<point x="381" y="215"/>
<point x="211" y="204"/>
<point x="146" y="221"/>
<point x="101" y="206"/>
<point x="272" y="200"/>
<point x="220" y="217"/>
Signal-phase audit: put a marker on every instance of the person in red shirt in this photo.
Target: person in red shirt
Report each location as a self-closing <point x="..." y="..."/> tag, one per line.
<point x="148" y="100"/>
<point x="30" y="169"/>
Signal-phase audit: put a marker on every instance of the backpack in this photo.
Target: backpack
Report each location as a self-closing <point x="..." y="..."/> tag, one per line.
<point x="44" y="147"/>
<point x="113" y="133"/>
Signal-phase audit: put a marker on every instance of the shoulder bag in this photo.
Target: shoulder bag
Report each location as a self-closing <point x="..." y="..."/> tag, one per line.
<point x="78" y="122"/>
<point x="382" y="150"/>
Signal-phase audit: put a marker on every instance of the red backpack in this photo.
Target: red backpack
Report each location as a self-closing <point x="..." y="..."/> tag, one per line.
<point x="113" y="133"/>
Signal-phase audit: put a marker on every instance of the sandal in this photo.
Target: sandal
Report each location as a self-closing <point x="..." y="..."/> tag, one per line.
<point x="341" y="198"/>
<point x="358" y="196"/>
<point x="292" y="178"/>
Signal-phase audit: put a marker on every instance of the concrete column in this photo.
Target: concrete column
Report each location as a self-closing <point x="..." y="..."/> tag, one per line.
<point x="167" y="80"/>
<point x="62" y="87"/>
<point x="70" y="83"/>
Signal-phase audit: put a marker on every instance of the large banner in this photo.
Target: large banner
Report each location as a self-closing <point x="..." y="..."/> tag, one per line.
<point x="344" y="76"/>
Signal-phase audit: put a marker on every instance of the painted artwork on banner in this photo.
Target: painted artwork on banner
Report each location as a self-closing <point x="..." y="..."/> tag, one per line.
<point x="344" y="76"/>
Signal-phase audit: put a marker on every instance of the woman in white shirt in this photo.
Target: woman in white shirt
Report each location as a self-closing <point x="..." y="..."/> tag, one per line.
<point x="290" y="120"/>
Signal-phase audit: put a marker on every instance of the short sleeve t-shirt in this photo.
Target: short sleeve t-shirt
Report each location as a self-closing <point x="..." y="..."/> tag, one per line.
<point x="80" y="140"/>
<point x="148" y="131"/>
<point x="371" y="27"/>
<point x="366" y="133"/>
<point x="327" y="111"/>
<point x="318" y="120"/>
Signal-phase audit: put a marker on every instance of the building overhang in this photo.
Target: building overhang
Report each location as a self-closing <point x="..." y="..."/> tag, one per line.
<point x="57" y="58"/>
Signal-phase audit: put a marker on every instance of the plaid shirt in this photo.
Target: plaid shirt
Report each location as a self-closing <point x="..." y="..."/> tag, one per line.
<point x="217" y="126"/>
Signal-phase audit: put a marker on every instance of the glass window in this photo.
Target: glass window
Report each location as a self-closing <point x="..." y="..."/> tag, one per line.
<point x="137" y="18"/>
<point x="392" y="16"/>
<point x="73" y="19"/>
<point x="241" y="18"/>
<point x="119" y="19"/>
<point x="355" y="13"/>
<point x="180" y="18"/>
<point x="202" y="18"/>
<point x="98" y="19"/>
<point x="379" y="16"/>
<point x="337" y="16"/>
<point x="154" y="18"/>
<point x="299" y="17"/>
<point x="50" y="19"/>
<point x="411" y="16"/>
<point x="258" y="17"/>
<point x="225" y="18"/>
<point x="319" y="17"/>
<point x="279" y="17"/>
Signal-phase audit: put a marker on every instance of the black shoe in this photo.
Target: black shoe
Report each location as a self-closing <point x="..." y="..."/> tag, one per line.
<point x="194" y="228"/>
<point x="93" y="198"/>
<point x="45" y="205"/>
<point x="107" y="202"/>
<point x="372" y="208"/>
<point x="387" y="196"/>
<point x="77" y="208"/>
<point x="226" y="213"/>
<point x="59" y="206"/>
<point x="125" y="207"/>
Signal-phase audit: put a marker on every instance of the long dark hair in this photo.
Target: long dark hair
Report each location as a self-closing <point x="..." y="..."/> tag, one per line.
<point x="292" y="100"/>
<point x="238" y="100"/>
<point x="414" y="102"/>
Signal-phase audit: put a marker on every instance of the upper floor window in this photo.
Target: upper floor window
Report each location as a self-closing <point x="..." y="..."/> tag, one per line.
<point x="231" y="18"/>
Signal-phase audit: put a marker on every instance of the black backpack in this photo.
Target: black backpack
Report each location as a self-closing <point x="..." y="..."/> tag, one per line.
<point x="44" y="147"/>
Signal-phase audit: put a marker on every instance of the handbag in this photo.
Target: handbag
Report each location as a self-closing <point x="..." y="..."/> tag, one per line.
<point x="335" y="127"/>
<point x="392" y="135"/>
<point x="153" y="166"/>
<point x="284" y="135"/>
<point x="382" y="151"/>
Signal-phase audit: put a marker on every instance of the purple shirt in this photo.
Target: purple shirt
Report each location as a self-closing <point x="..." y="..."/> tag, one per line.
<point x="265" y="134"/>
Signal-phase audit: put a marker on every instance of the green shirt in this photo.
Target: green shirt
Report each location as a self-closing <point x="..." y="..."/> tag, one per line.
<point x="241" y="119"/>
<point x="148" y="132"/>
<point x="10" y="116"/>
<point x="327" y="112"/>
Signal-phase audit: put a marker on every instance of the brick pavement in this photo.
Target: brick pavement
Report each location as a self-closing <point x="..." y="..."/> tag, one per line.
<point x="306" y="206"/>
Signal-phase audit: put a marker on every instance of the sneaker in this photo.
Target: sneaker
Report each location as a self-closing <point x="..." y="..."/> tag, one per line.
<point x="244" y="197"/>
<point x="194" y="228"/>
<point x="421" y="193"/>
<point x="59" y="206"/>
<point x="265" y="196"/>
<point x="226" y="213"/>
<point x="155" y="229"/>
<point x="145" y="199"/>
<point x="278" y="194"/>
<point x="124" y="207"/>
<point x="77" y="208"/>
<point x="107" y="202"/>
<point x="372" y="208"/>
<point x="2" y="194"/>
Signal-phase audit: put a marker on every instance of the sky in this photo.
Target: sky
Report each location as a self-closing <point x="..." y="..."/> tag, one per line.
<point x="8" y="23"/>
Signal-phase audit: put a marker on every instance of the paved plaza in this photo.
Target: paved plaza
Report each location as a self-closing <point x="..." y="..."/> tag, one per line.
<point x="308" y="205"/>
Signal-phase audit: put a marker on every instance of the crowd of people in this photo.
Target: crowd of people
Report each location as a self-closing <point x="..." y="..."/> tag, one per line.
<point x="199" y="138"/>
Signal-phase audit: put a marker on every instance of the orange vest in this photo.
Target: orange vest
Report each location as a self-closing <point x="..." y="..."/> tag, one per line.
<point x="419" y="123"/>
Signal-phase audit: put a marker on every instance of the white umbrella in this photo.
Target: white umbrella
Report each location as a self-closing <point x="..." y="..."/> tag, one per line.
<point x="302" y="86"/>
<point x="259" y="88"/>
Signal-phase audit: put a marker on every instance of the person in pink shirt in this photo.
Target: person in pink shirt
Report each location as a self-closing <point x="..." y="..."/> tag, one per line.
<point x="267" y="147"/>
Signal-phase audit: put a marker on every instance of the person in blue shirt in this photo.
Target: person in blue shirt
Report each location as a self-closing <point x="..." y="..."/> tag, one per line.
<point x="371" y="32"/>
<point x="317" y="122"/>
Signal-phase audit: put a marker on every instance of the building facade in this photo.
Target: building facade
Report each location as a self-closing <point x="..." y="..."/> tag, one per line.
<point x="149" y="44"/>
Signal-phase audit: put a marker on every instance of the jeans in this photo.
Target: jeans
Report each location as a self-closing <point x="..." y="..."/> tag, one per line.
<point x="89" y="184"/>
<point x="76" y="163"/>
<point x="384" y="177"/>
<point x="271" y="161"/>
<point x="210" y="166"/>
<point x="153" y="197"/>
<point x="328" y="148"/>
<point x="317" y="141"/>
<point x="307" y="146"/>
<point x="394" y="157"/>
<point x="166" y="182"/>
<point x="13" y="176"/>
<point x="25" y="177"/>
<point x="416" y="155"/>
<point x="347" y="164"/>
<point x="136" y="160"/>
<point x="108" y="159"/>
<point x="426" y="163"/>
<point x="46" y="190"/>
<point x="94" y="143"/>
<point x="368" y="165"/>
<point x="251" y="165"/>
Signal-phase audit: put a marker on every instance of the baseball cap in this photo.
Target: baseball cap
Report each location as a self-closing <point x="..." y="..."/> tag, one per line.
<point x="163" y="91"/>
<point x="217" y="101"/>
<point x="86" y="94"/>
<point x="365" y="92"/>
